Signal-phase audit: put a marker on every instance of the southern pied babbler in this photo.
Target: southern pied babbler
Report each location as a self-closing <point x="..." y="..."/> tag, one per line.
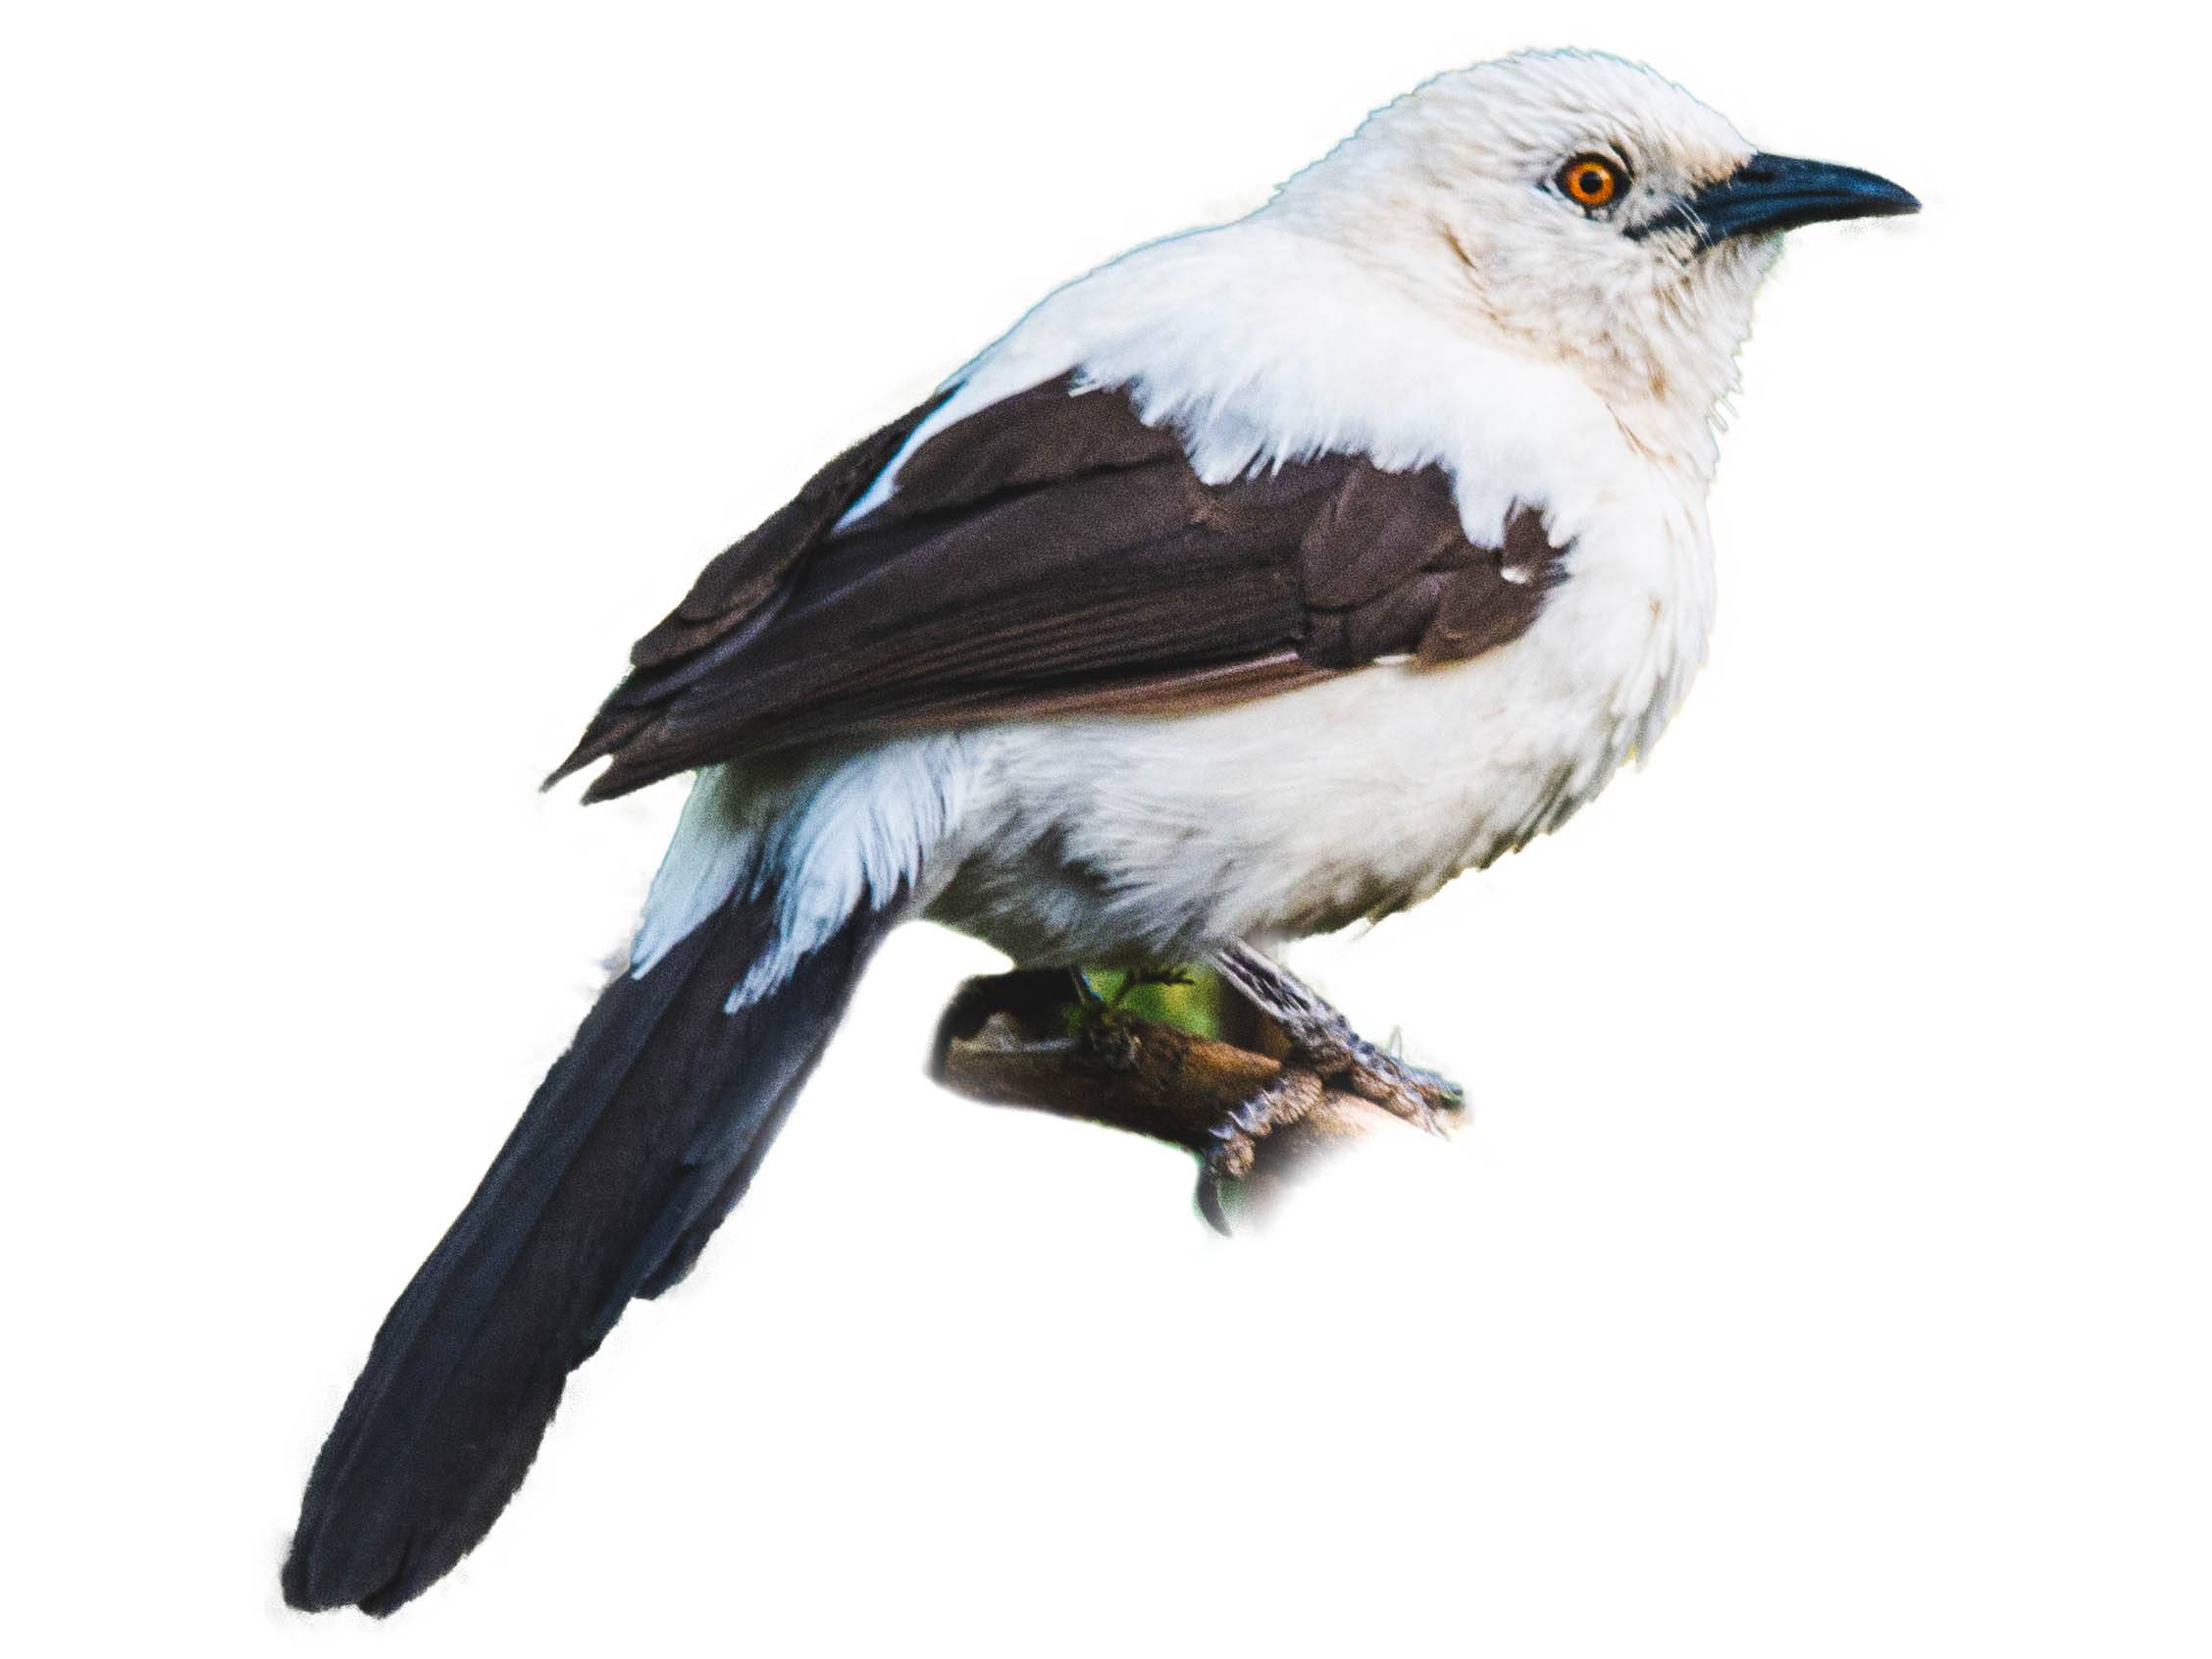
<point x="1258" y="582"/>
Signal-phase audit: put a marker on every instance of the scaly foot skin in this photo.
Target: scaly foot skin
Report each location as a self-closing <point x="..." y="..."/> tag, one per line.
<point x="1355" y="1065"/>
<point x="1322" y="1041"/>
<point x="1278" y="1103"/>
<point x="1283" y="1100"/>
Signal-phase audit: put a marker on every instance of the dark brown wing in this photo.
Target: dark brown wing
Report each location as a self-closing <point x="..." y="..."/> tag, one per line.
<point x="1053" y="553"/>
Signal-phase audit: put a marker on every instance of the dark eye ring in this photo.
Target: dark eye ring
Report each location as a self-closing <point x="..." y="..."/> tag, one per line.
<point x="1592" y="181"/>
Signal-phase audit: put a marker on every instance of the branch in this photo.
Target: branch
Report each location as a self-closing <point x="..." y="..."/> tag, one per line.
<point x="1021" y="1040"/>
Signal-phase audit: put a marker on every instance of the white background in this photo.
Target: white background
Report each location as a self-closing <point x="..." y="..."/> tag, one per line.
<point x="1825" y="1269"/>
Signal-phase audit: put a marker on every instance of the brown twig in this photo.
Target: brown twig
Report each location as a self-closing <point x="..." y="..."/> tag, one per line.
<point x="1021" y="1040"/>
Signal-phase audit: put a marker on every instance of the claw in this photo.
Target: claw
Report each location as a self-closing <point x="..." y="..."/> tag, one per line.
<point x="1280" y="1102"/>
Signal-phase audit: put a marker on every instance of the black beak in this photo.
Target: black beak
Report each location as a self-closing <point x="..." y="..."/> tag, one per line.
<point x="1769" y="194"/>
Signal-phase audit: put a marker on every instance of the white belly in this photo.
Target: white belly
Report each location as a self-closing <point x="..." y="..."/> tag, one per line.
<point x="1157" y="839"/>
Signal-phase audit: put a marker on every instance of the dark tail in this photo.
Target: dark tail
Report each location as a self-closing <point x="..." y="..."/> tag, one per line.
<point x="639" y="1142"/>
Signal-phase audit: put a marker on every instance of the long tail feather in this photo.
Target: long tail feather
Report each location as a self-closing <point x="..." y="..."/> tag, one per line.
<point x="639" y="1142"/>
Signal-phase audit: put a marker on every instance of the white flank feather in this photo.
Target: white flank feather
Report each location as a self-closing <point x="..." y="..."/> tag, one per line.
<point x="818" y="841"/>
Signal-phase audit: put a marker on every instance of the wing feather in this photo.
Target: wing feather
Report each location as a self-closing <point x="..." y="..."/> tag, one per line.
<point x="1053" y="553"/>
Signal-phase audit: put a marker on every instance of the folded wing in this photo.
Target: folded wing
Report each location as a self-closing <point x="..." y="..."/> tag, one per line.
<point x="1053" y="553"/>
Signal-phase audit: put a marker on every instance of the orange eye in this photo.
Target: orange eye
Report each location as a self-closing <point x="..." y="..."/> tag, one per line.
<point x="1590" y="182"/>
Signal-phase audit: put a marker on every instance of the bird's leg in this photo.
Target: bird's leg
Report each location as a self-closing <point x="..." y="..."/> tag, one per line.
<point x="1325" y="1053"/>
<point x="1322" y="1042"/>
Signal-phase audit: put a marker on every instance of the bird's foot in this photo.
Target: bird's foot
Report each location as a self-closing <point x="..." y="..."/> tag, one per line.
<point x="1325" y="1056"/>
<point x="1345" y="1060"/>
<point x="1285" y="1099"/>
<point x="1322" y="1041"/>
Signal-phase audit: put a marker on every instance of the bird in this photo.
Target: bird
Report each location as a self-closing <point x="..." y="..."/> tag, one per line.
<point x="1258" y="582"/>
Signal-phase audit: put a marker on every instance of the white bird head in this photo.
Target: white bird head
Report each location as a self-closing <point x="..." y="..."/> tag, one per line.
<point x="1583" y="207"/>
